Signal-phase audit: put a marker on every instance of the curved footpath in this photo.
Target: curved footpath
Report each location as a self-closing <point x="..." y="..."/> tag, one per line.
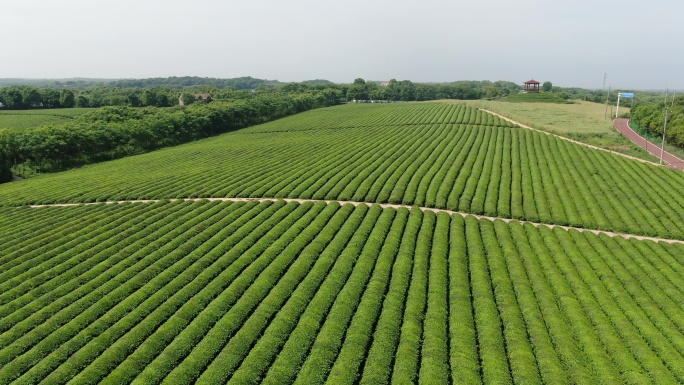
<point x="571" y="140"/>
<point x="383" y="205"/>
<point x="622" y="125"/>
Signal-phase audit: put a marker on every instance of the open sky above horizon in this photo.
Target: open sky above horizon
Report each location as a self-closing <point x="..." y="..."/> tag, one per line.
<point x="571" y="43"/>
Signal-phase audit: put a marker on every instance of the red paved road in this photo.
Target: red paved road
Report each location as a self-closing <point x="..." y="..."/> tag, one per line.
<point x="622" y="125"/>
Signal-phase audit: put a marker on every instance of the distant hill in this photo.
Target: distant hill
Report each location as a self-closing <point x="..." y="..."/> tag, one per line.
<point x="54" y="83"/>
<point x="241" y="83"/>
<point x="317" y="81"/>
<point x="178" y="82"/>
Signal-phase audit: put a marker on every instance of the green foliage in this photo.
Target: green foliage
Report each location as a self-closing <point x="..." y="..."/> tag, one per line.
<point x="113" y="132"/>
<point x="67" y="99"/>
<point x="651" y="117"/>
<point x="432" y="154"/>
<point x="275" y="292"/>
<point x="82" y="102"/>
<point x="278" y="293"/>
<point x="187" y="98"/>
<point x="406" y="91"/>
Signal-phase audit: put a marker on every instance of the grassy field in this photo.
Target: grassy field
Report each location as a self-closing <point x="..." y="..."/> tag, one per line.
<point x="582" y="121"/>
<point x="534" y="97"/>
<point x="563" y="119"/>
<point x="35" y="118"/>
<point x="183" y="292"/>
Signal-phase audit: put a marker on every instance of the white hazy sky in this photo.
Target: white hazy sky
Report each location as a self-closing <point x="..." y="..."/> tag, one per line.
<point x="571" y="43"/>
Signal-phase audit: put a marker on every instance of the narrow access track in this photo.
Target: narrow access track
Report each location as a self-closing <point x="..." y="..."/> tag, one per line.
<point x="622" y="125"/>
<point x="383" y="205"/>
<point x="571" y="140"/>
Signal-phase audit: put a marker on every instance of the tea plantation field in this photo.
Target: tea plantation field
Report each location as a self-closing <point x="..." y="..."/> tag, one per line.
<point x="183" y="292"/>
<point x="23" y="119"/>
<point x="308" y="293"/>
<point x="437" y="155"/>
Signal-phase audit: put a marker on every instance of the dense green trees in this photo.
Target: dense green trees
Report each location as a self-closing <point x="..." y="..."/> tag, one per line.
<point x="149" y="98"/>
<point x="113" y="132"/>
<point x="27" y="97"/>
<point x="651" y="117"/>
<point x="82" y="102"/>
<point x="358" y="90"/>
<point x="50" y="98"/>
<point x="31" y="98"/>
<point x="406" y="91"/>
<point x="166" y="92"/>
<point x="10" y="98"/>
<point x="67" y="99"/>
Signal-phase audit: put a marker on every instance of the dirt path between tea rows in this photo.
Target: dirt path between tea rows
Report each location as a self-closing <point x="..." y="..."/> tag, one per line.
<point x="383" y="205"/>
<point x="570" y="140"/>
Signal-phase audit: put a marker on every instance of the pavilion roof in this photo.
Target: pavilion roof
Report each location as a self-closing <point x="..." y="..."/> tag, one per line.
<point x="532" y="82"/>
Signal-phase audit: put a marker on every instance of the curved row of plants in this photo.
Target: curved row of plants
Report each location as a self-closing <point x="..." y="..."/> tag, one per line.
<point x="279" y="292"/>
<point x="493" y="170"/>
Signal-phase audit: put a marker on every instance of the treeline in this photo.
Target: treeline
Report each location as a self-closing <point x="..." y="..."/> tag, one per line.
<point x="108" y="92"/>
<point x="651" y="117"/>
<point x="114" y="132"/>
<point x="241" y="83"/>
<point x="175" y="82"/>
<point x="165" y="92"/>
<point x="407" y="91"/>
<point x="28" y="97"/>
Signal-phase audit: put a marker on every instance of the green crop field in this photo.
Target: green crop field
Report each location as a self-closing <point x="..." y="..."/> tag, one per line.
<point x="201" y="291"/>
<point x="308" y="293"/>
<point x="437" y="155"/>
<point x="36" y="118"/>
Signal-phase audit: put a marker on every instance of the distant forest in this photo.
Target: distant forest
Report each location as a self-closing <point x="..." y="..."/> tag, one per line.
<point x="175" y="82"/>
<point x="16" y="94"/>
<point x="23" y="94"/>
<point x="651" y="118"/>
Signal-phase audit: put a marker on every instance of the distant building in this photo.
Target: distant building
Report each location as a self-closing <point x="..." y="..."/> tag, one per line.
<point x="531" y="86"/>
<point x="204" y="97"/>
<point x="384" y="84"/>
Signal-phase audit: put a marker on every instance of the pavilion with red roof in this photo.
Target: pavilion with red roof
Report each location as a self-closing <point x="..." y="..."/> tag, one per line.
<point x="531" y="86"/>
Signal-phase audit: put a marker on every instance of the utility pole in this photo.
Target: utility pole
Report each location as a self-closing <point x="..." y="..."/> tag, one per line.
<point x="605" y="115"/>
<point x="662" y="147"/>
<point x="604" y="81"/>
